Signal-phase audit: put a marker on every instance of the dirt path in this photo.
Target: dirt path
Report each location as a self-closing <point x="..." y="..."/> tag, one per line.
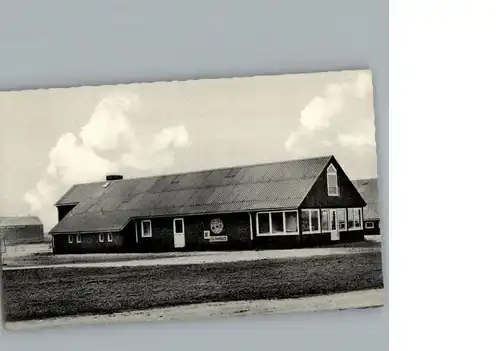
<point x="233" y="256"/>
<point x="355" y="299"/>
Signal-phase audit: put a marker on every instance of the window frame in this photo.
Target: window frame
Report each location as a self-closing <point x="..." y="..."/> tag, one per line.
<point x="328" y="221"/>
<point x="283" y="216"/>
<point x="370" y="225"/>
<point x="355" y="210"/>
<point x="183" y="228"/>
<point x="341" y="211"/>
<point x="70" y="239"/>
<point x="78" y="239"/>
<point x="310" y="231"/>
<point x="150" y="228"/>
<point x="331" y="170"/>
<point x="101" y="237"/>
<point x="109" y="237"/>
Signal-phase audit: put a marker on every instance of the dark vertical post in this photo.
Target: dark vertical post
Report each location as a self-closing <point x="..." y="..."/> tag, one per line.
<point x="299" y="213"/>
<point x="347" y="219"/>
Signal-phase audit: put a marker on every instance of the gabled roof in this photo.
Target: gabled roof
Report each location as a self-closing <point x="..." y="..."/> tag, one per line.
<point x="19" y="221"/>
<point x="237" y="189"/>
<point x="368" y="189"/>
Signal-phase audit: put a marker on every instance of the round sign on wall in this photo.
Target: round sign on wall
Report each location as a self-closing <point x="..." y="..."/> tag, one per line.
<point x="216" y="225"/>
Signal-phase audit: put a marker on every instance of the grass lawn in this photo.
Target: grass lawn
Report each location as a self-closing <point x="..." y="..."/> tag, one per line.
<point x="54" y="292"/>
<point x="33" y="258"/>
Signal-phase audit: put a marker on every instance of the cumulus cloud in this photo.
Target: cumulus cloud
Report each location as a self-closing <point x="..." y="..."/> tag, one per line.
<point x="356" y="140"/>
<point x="109" y="123"/>
<point x="107" y="143"/>
<point x="156" y="153"/>
<point x="339" y="122"/>
<point x="72" y="161"/>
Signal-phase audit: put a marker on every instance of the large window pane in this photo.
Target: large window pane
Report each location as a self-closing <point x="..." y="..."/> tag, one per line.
<point x="350" y="218"/>
<point x="332" y="184"/>
<point x="263" y="222"/>
<point x="324" y="220"/>
<point x="291" y="222"/>
<point x="314" y="221"/>
<point x="357" y="218"/>
<point x="277" y="222"/>
<point x="304" y="219"/>
<point x="341" y="214"/>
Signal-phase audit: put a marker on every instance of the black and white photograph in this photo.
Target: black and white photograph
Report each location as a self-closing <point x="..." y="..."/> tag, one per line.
<point x="189" y="200"/>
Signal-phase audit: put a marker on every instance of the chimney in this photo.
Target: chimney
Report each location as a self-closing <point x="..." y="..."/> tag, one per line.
<point x="111" y="177"/>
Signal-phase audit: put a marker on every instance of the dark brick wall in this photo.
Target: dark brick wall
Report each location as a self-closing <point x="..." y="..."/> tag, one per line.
<point x="90" y="244"/>
<point x="235" y="226"/>
<point x="351" y="236"/>
<point x="348" y="195"/>
<point x="372" y="231"/>
<point x="277" y="242"/>
<point x="313" y="240"/>
<point x="162" y="239"/>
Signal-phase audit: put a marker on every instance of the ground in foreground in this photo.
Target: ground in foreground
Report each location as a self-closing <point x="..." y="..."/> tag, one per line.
<point x="56" y="292"/>
<point x="340" y="301"/>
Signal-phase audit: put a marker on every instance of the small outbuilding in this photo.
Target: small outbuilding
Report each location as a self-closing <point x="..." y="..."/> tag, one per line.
<point x="21" y="230"/>
<point x="368" y="188"/>
<point x="297" y="203"/>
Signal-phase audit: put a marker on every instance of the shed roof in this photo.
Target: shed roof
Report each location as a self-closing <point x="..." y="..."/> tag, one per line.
<point x="19" y="221"/>
<point x="275" y="185"/>
<point x="368" y="189"/>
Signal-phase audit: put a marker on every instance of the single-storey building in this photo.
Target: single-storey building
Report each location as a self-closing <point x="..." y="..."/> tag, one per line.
<point x="368" y="188"/>
<point x="295" y="203"/>
<point x="21" y="230"/>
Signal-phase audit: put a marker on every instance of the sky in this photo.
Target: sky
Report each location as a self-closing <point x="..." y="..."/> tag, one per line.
<point x="51" y="139"/>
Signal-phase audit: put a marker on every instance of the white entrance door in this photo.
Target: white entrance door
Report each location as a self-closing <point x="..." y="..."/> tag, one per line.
<point x="179" y="236"/>
<point x="334" y="226"/>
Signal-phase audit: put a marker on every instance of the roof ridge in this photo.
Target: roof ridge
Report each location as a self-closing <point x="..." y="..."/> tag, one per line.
<point x="210" y="170"/>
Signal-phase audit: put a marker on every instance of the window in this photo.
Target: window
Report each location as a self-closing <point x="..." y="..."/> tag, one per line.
<point x="110" y="237"/>
<point x="101" y="237"/>
<point x="78" y="238"/>
<point x="331" y="181"/>
<point x="310" y="221"/>
<point x="179" y="226"/>
<point x="341" y="213"/>
<point x="70" y="239"/>
<point x="263" y="223"/>
<point x="314" y="221"/>
<point x="354" y="218"/>
<point x="369" y="225"/>
<point x="291" y="222"/>
<point x="325" y="225"/>
<point x="146" y="231"/>
<point x="277" y="223"/>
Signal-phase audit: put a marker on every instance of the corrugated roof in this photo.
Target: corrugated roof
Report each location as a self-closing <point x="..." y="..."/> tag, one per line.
<point x="19" y="221"/>
<point x="368" y="189"/>
<point x="243" y="188"/>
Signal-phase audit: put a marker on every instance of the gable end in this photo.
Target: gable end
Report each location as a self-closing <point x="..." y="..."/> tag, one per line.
<point x="346" y="194"/>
